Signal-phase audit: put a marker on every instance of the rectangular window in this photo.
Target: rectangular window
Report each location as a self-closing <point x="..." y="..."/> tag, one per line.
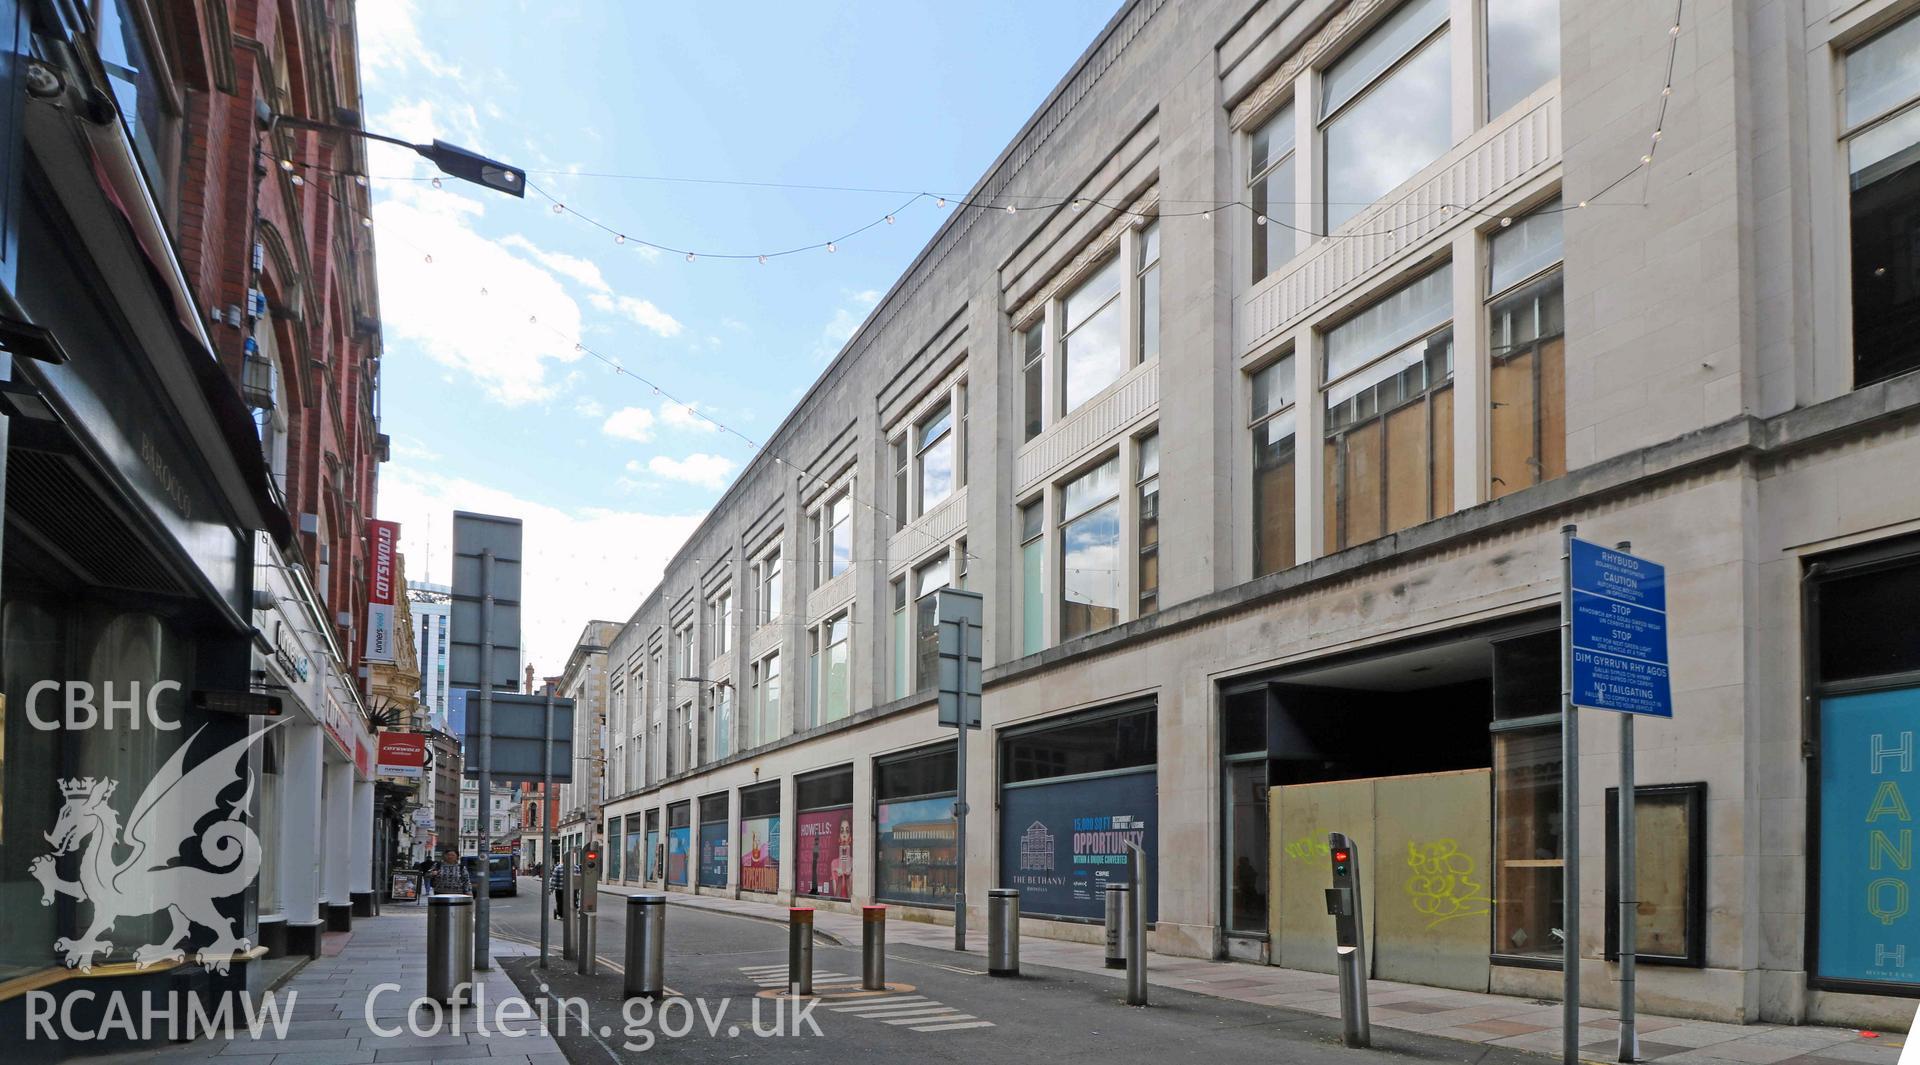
<point x="140" y="91"/>
<point x="1270" y="189"/>
<point x="823" y="834"/>
<point x="1033" y="629"/>
<point x="815" y="543"/>
<point x="1147" y="493"/>
<point x="1094" y="350"/>
<point x="722" y="720"/>
<point x="770" y="697"/>
<point x="933" y="459"/>
<point x="1147" y="291"/>
<point x="902" y="471"/>
<point x="1882" y="124"/>
<point x="1386" y="109"/>
<point x="1670" y="864"/>
<point x="722" y="623"/>
<point x="1527" y="421"/>
<point x="768" y="580"/>
<point x="837" y="682"/>
<point x="902" y="643"/>
<point x="1389" y="444"/>
<point x="840" y="534"/>
<point x="928" y="579"/>
<point x="813" y="677"/>
<point x="1033" y="377"/>
<point x="1273" y="468"/>
<point x="916" y="857"/>
<point x="1090" y="551"/>
<point x="755" y="734"/>
<point x="1523" y="50"/>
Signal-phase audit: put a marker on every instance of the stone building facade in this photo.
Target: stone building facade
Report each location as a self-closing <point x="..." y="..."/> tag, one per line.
<point x="1503" y="267"/>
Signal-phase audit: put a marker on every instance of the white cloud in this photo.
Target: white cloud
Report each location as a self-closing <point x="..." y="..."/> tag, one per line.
<point x="682" y="416"/>
<point x="641" y="311"/>
<point x="707" y="471"/>
<point x="390" y="41"/>
<point x="588" y="408"/>
<point x="630" y="423"/>
<point x="844" y="323"/>
<point x="581" y="563"/>
<point x="581" y="270"/>
<point x="474" y="308"/>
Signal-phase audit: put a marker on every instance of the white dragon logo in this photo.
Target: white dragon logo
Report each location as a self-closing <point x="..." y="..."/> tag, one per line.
<point x="150" y="878"/>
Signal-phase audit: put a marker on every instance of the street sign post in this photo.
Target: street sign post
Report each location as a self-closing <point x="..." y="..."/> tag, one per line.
<point x="959" y="615"/>
<point x="1615" y="606"/>
<point x="483" y="651"/>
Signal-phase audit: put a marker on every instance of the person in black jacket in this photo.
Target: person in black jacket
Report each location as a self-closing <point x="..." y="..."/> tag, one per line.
<point x="450" y="876"/>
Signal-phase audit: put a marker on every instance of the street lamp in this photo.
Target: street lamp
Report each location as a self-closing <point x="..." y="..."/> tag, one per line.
<point x="450" y="158"/>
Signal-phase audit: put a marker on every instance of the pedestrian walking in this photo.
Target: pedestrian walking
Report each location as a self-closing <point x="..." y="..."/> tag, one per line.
<point x="450" y="876"/>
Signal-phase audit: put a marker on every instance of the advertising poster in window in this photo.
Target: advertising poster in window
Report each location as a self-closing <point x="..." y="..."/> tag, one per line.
<point x="1060" y="844"/>
<point x="916" y="852"/>
<point x="713" y="854"/>
<point x="653" y="854"/>
<point x="1869" y="748"/>
<point x="760" y="854"/>
<point x="678" y="841"/>
<point x="823" y="854"/>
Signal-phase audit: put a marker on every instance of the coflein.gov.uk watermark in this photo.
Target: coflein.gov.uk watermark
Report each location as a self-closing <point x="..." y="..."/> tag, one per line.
<point x="84" y="1016"/>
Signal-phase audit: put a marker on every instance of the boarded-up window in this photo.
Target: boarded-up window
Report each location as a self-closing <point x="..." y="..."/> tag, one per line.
<point x="1272" y="423"/>
<point x="1528" y="420"/>
<point x="1390" y="443"/>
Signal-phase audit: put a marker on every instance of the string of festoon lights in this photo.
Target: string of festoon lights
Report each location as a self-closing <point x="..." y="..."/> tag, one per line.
<point x="1032" y="202"/>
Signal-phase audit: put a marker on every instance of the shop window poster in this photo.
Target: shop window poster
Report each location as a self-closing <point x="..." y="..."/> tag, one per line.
<point x="713" y="854"/>
<point x="823" y="854"/>
<point x="678" y="841"/>
<point x="760" y="854"/>
<point x="916" y="856"/>
<point x="653" y="854"/>
<point x="1061" y="844"/>
<point x="1869" y="751"/>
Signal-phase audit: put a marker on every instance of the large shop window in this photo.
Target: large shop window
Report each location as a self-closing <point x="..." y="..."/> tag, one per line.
<point x="1529" y="863"/>
<point x="713" y="841"/>
<point x="656" y="851"/>
<point x="1527" y="332"/>
<point x="613" y="838"/>
<point x="1865" y="933"/>
<point x="1246" y="788"/>
<point x="915" y="853"/>
<point x="1074" y="793"/>
<point x="760" y="838"/>
<point x="1386" y="109"/>
<point x="1882" y="124"/>
<point x="679" y="842"/>
<point x="823" y="834"/>
<point x="1389" y="447"/>
<point x="1090" y="551"/>
<point x="631" y="866"/>
<point x="1273" y="476"/>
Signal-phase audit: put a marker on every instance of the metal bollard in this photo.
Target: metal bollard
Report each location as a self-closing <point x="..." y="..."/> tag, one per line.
<point x="589" y="962"/>
<point x="800" y="950"/>
<point x="450" y="948"/>
<point x="566" y="919"/>
<point x="873" y="948"/>
<point x="1137" y="925"/>
<point x="646" y="946"/>
<point x="1118" y="935"/>
<point x="1003" y="931"/>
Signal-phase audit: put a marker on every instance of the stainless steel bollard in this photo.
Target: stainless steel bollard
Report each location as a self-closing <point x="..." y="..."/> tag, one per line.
<point x="646" y="946"/>
<point x="1003" y="932"/>
<point x="1137" y="925"/>
<point x="589" y="962"/>
<point x="873" y="948"/>
<point x="1119" y="936"/>
<point x="450" y="948"/>
<point x="566" y="917"/>
<point x="800" y="950"/>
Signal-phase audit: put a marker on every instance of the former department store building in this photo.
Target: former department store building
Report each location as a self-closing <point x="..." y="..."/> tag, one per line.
<point x="1267" y="522"/>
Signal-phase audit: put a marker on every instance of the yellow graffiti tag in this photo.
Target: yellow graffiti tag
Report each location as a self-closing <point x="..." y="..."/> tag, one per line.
<point x="1307" y="848"/>
<point x="1442" y="886"/>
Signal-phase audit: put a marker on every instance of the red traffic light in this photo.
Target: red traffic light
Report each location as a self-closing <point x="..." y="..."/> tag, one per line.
<point x="593" y="855"/>
<point x="1339" y="856"/>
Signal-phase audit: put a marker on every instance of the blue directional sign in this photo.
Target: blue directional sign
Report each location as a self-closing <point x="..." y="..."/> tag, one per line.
<point x="1619" y="632"/>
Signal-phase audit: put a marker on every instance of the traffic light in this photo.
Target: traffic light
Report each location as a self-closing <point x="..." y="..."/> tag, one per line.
<point x="590" y="877"/>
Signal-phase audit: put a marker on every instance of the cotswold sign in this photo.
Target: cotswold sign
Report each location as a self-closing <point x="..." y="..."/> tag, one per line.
<point x="383" y="539"/>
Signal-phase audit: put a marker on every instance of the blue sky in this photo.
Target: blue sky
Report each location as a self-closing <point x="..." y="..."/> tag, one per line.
<point x="490" y="405"/>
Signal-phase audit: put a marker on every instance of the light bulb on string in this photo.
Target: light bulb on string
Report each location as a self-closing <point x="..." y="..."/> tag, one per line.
<point x="559" y="208"/>
<point x="1259" y="220"/>
<point x="832" y="247"/>
<point x="940" y="202"/>
<point x="1011" y="209"/>
<point x="297" y="180"/>
<point x="763" y="260"/>
<point x="690" y="256"/>
<point x="429" y="259"/>
<point x="889" y="219"/>
<point x="1505" y="222"/>
<point x="286" y="165"/>
<point x="436" y="183"/>
<point x="619" y="238"/>
<point x="360" y="180"/>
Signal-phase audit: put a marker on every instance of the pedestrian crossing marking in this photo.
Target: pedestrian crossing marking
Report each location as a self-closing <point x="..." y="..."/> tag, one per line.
<point x="916" y="1013"/>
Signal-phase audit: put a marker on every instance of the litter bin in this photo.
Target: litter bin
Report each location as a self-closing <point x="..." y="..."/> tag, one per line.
<point x="1003" y="932"/>
<point x="450" y="948"/>
<point x="646" y="945"/>
<point x="1117" y="936"/>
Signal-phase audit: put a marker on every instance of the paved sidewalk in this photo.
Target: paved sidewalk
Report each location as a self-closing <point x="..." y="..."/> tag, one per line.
<point x="332" y="1025"/>
<point x="1496" y="1020"/>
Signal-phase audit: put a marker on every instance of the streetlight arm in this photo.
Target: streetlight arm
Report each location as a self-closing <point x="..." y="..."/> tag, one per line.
<point x="450" y="158"/>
